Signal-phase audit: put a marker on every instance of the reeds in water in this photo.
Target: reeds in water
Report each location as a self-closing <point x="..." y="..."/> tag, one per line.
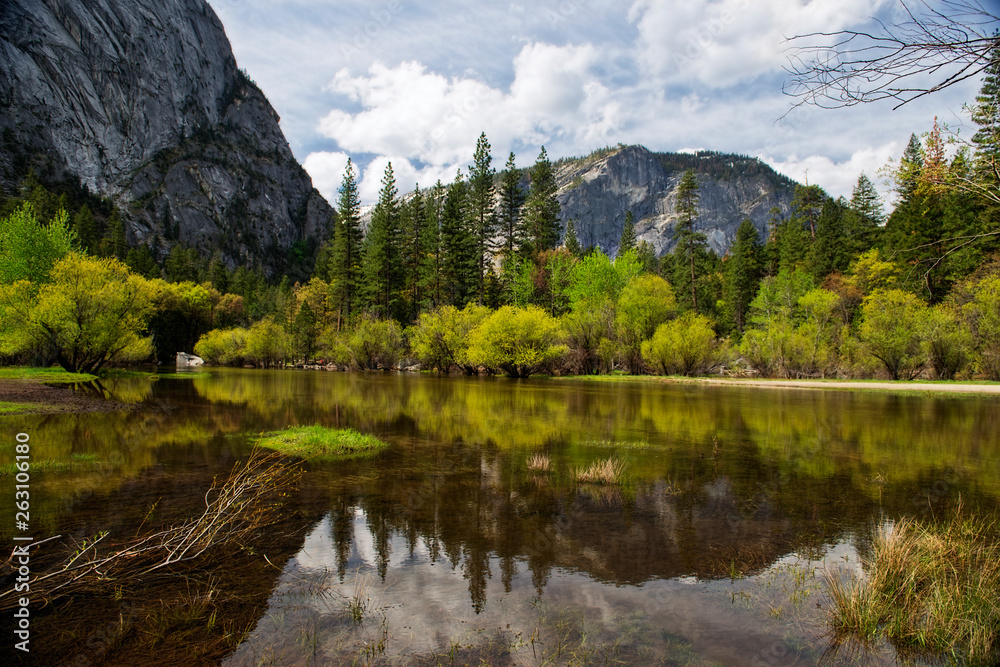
<point x="603" y="471"/>
<point x="929" y="588"/>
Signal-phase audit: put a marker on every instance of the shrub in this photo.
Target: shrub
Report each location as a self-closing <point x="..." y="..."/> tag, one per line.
<point x="517" y="341"/>
<point x="890" y="330"/>
<point x="440" y="339"/>
<point x="223" y="347"/>
<point x="685" y="345"/>
<point x="376" y="344"/>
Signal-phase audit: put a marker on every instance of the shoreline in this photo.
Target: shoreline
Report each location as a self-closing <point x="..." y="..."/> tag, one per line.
<point x="910" y="386"/>
<point x="29" y="396"/>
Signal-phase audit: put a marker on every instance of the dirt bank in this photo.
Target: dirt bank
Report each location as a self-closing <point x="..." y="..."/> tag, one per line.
<point x="36" y="397"/>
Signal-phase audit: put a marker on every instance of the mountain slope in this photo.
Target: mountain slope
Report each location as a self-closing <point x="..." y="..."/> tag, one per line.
<point x="597" y="191"/>
<point x="143" y="102"/>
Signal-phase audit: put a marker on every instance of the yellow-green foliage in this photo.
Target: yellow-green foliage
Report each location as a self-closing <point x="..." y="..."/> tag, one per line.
<point x="517" y="341"/>
<point x="440" y="338"/>
<point x="983" y="316"/>
<point x="29" y="249"/>
<point x="376" y="343"/>
<point x="267" y="343"/>
<point x="685" y="345"/>
<point x="646" y="302"/>
<point x="891" y="331"/>
<point x="322" y="444"/>
<point x="92" y="313"/>
<point x="223" y="347"/>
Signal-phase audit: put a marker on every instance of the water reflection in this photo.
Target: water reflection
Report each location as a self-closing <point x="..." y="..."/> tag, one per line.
<point x="458" y="546"/>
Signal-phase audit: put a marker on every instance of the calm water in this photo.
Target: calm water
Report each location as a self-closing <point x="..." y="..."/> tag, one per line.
<point x="737" y="503"/>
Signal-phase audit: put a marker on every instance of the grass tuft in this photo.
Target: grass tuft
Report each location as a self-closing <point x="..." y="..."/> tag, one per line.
<point x="322" y="444"/>
<point x="604" y="471"/>
<point x="539" y="463"/>
<point x="930" y="587"/>
<point x="54" y="374"/>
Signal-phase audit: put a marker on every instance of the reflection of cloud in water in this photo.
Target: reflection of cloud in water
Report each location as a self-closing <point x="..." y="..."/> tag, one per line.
<point x="426" y="609"/>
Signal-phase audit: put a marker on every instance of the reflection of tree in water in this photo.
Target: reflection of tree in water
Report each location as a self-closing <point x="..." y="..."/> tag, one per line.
<point x="729" y="514"/>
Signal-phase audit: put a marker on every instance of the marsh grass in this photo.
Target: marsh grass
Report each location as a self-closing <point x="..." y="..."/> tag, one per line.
<point x="322" y="444"/>
<point x="930" y="588"/>
<point x="539" y="463"/>
<point x="603" y="471"/>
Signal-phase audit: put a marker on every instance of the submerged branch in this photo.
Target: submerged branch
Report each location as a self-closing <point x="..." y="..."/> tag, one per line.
<point x="236" y="510"/>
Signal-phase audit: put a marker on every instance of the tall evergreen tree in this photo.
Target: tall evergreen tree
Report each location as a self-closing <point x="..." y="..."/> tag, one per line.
<point x="743" y="272"/>
<point x="807" y="205"/>
<point x="344" y="269"/>
<point x="458" y="247"/>
<point x="541" y="210"/>
<point x="689" y="242"/>
<point x="414" y="247"/>
<point x="432" y="264"/>
<point x="627" y="241"/>
<point x="866" y="215"/>
<point x="986" y="114"/>
<point x="482" y="211"/>
<point x="511" y="203"/>
<point x="380" y="262"/>
<point x="832" y="248"/>
<point x="571" y="242"/>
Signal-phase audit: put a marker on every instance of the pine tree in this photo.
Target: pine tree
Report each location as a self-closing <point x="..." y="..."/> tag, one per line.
<point x="87" y="233"/>
<point x="413" y="221"/>
<point x="380" y="251"/>
<point x="432" y="263"/>
<point x="832" y="249"/>
<point x="743" y="272"/>
<point x="511" y="202"/>
<point x="570" y="242"/>
<point x="689" y="242"/>
<point x="482" y="194"/>
<point x="345" y="267"/>
<point x="627" y="241"/>
<point x="458" y="262"/>
<point x="986" y="114"/>
<point x="541" y="210"/>
<point x="867" y="215"/>
<point x="807" y="204"/>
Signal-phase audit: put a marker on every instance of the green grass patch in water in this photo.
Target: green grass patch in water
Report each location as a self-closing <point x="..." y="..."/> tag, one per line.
<point x="76" y="463"/>
<point x="320" y="443"/>
<point x="183" y="376"/>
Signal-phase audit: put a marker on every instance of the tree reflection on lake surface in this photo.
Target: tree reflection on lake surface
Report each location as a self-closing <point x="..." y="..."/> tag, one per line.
<point x="734" y="505"/>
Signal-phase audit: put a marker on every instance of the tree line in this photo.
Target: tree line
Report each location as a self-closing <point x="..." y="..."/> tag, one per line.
<point x="483" y="275"/>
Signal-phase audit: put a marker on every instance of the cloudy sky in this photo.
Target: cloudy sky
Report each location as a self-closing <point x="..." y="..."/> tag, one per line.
<point x="416" y="83"/>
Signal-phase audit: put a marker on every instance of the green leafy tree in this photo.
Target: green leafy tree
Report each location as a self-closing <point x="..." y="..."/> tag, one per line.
<point x="646" y="302"/>
<point x="376" y="343"/>
<point x="627" y="241"/>
<point x="540" y="220"/>
<point x="589" y="330"/>
<point x="517" y="341"/>
<point x="891" y="331"/>
<point x="91" y="313"/>
<point x="947" y="340"/>
<point x="267" y="344"/>
<point x="440" y="339"/>
<point x="223" y="347"/>
<point x="28" y="249"/>
<point x="982" y="316"/>
<point x="682" y="346"/>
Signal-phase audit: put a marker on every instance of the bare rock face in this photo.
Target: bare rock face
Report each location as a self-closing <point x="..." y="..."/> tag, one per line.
<point x="597" y="191"/>
<point x="143" y="102"/>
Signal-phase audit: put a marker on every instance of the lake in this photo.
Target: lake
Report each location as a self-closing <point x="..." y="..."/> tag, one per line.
<point x="449" y="548"/>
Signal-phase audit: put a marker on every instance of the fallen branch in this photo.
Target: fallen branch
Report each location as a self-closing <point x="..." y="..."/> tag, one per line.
<point x="235" y="511"/>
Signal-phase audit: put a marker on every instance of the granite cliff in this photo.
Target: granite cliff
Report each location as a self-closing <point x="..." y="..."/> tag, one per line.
<point x="597" y="191"/>
<point x="143" y="102"/>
